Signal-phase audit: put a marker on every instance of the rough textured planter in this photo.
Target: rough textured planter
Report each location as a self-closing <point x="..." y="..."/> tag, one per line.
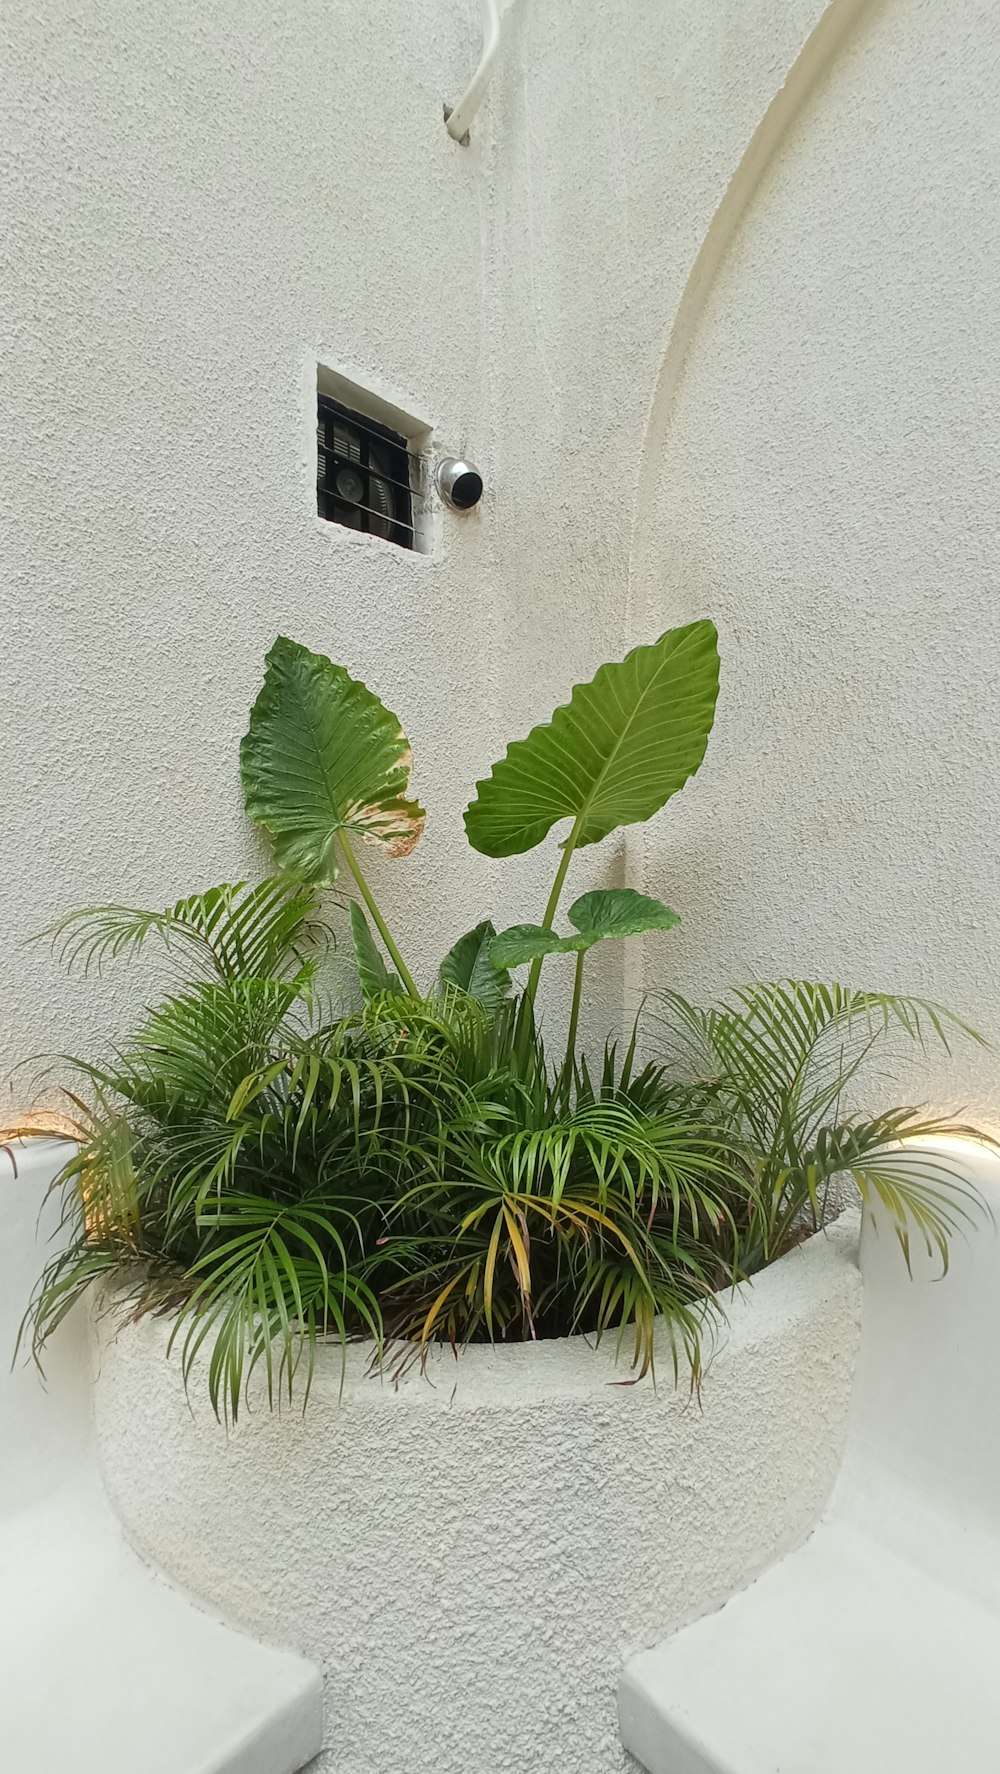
<point x="471" y="1556"/>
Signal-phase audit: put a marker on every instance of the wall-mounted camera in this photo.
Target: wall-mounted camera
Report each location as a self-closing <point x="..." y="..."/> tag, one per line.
<point x="459" y="484"/>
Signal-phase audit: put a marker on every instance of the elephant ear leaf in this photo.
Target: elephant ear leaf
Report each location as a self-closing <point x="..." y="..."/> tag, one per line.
<point x="470" y="967"/>
<point x="611" y="756"/>
<point x="373" y="973"/>
<point x="612" y="912"/>
<point x="530" y="942"/>
<point x="322" y="757"/>
<point x="619" y="911"/>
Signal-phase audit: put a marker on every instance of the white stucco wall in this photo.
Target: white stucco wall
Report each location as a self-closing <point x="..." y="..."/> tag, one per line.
<point x="822" y="476"/>
<point x="198" y="205"/>
<point x="744" y="255"/>
<point x="708" y="299"/>
<point x="470" y="1556"/>
<point x="617" y="131"/>
<point x="201" y="207"/>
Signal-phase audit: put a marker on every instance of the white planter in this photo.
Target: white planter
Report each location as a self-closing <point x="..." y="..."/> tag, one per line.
<point x="471" y="1555"/>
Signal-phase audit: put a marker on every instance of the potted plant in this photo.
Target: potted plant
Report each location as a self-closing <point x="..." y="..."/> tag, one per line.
<point x="463" y="1254"/>
<point x="414" y="1168"/>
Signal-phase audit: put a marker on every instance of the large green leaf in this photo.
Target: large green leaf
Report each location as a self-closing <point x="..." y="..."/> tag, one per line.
<point x="322" y="756"/>
<point x="613" y="911"/>
<point x="530" y="942"/>
<point x="469" y="966"/>
<point x="619" y="911"/>
<point x="611" y="756"/>
<point x="373" y="973"/>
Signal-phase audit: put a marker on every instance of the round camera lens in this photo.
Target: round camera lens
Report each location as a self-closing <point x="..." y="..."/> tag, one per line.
<point x="468" y="489"/>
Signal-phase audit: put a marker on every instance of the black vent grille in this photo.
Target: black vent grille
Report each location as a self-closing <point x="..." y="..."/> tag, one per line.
<point x="362" y="474"/>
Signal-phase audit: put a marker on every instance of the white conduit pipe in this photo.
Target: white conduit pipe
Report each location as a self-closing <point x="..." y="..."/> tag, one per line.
<point x="458" y="119"/>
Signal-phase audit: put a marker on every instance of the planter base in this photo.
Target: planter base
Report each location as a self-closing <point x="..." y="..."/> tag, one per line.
<point x="470" y="1556"/>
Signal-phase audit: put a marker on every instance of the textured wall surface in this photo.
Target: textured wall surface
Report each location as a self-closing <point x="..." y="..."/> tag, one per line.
<point x="616" y="132"/>
<point x="200" y="207"/>
<point x="824" y="481"/>
<point x="707" y="298"/>
<point x="469" y="1557"/>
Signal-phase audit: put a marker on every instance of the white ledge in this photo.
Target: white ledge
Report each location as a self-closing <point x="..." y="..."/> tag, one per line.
<point x="875" y="1645"/>
<point x="104" y="1668"/>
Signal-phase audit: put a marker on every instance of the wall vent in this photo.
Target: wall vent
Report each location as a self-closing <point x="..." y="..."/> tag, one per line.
<point x="364" y="474"/>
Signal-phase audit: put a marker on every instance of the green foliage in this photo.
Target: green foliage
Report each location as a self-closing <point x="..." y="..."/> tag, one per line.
<point x="323" y="758"/>
<point x="783" y="1063"/>
<point x="415" y="1170"/>
<point x="373" y="974"/>
<point x="238" y="1162"/>
<point x="404" y="1172"/>
<point x="610" y="912"/>
<point x="471" y="968"/>
<point x="227" y="932"/>
<point x="612" y="756"/>
<point x="324" y="761"/>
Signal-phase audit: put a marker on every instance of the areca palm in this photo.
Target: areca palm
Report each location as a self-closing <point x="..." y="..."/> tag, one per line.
<point x="783" y="1063"/>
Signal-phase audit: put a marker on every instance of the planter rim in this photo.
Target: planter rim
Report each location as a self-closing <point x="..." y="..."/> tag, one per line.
<point x="769" y="1304"/>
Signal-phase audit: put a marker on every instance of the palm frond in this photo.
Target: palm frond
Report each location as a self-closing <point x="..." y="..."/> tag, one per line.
<point x="275" y="1175"/>
<point x="274" y="1279"/>
<point x="230" y="932"/>
<point x="783" y="1061"/>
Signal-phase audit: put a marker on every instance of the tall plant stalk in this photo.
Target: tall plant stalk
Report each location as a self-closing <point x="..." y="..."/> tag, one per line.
<point x="527" y="1006"/>
<point x="377" y="918"/>
<point x="574" y="1017"/>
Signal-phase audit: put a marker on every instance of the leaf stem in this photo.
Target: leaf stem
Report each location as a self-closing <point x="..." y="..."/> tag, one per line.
<point x="380" y="923"/>
<point x="574" y="1018"/>
<point x="526" y="1011"/>
<point x="553" y="902"/>
<point x="557" y="885"/>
